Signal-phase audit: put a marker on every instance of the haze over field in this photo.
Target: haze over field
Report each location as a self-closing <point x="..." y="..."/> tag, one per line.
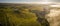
<point x="27" y="1"/>
<point x="29" y="12"/>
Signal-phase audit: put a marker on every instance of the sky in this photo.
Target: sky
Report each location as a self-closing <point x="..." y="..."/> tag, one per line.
<point x="18" y="1"/>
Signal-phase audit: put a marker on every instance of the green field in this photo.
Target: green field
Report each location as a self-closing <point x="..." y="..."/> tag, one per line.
<point x="18" y="15"/>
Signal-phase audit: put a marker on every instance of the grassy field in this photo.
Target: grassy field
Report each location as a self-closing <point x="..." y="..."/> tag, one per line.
<point x="18" y="15"/>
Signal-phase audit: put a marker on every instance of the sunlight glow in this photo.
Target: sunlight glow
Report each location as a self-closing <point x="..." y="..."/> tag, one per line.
<point x="54" y="13"/>
<point x="54" y="5"/>
<point x="45" y="2"/>
<point x="37" y="2"/>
